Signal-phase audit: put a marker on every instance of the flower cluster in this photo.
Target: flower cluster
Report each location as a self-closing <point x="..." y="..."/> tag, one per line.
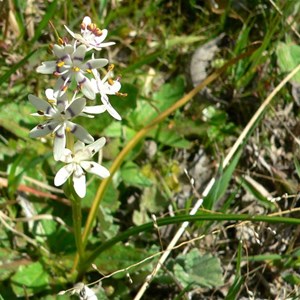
<point x="63" y="103"/>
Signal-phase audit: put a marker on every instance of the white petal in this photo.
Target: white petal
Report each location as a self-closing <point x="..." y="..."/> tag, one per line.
<point x="63" y="174"/>
<point x="39" y="131"/>
<point x="79" y="145"/>
<point x="50" y="94"/>
<point x="110" y="109"/>
<point x="47" y="67"/>
<point x="75" y="108"/>
<point x="96" y="146"/>
<point x="80" y="133"/>
<point x="113" y="112"/>
<point x="39" y="103"/>
<point x="115" y="87"/>
<point x="85" y="85"/>
<point x="79" y="182"/>
<point x="69" y="48"/>
<point x="103" y="45"/>
<point x="70" y="31"/>
<point x="102" y="37"/>
<point x="96" y="63"/>
<point x="59" y="143"/>
<point x="43" y="129"/>
<point x="87" y="20"/>
<point x="97" y="109"/>
<point x="67" y="156"/>
<point x="94" y="168"/>
<point x="79" y="53"/>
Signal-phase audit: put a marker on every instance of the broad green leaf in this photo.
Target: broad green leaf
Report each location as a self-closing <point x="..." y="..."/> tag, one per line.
<point x="119" y="257"/>
<point x="140" y="217"/>
<point x="13" y="114"/>
<point x="146" y="111"/>
<point x="131" y="175"/>
<point x="108" y="228"/>
<point x="110" y="199"/>
<point x="117" y="130"/>
<point x="288" y="57"/>
<point x="29" y="280"/>
<point x="10" y="260"/>
<point x="196" y="269"/>
<point x="169" y="137"/>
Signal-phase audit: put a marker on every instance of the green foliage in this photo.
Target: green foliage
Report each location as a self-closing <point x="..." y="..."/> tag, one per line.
<point x="154" y="43"/>
<point x="31" y="278"/>
<point x="195" y="269"/>
<point x="288" y="56"/>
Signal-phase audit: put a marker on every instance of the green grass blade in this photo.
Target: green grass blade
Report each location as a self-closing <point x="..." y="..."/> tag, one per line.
<point x="180" y="219"/>
<point x="13" y="69"/>
<point x="220" y="186"/>
<point x="239" y="280"/>
<point x="297" y="166"/>
<point x="51" y="10"/>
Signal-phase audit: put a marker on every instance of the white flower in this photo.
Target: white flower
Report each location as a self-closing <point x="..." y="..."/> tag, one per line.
<point x="70" y="64"/>
<point x="58" y="115"/>
<point x="91" y="35"/>
<point x="104" y="87"/>
<point x="83" y="291"/>
<point x="80" y="162"/>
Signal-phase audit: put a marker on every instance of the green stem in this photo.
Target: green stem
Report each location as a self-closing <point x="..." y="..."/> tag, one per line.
<point x="76" y="209"/>
<point x="77" y="218"/>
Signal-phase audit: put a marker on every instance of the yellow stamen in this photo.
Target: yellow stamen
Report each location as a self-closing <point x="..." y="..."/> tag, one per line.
<point x="68" y="129"/>
<point x="60" y="63"/>
<point x="92" y="26"/>
<point x="98" y="32"/>
<point x="76" y="69"/>
<point x="51" y="101"/>
<point x="111" y="67"/>
<point x="89" y="71"/>
<point x="110" y="81"/>
<point x="60" y="41"/>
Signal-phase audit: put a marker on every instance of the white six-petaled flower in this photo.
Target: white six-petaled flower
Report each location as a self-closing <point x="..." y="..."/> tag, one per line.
<point x="71" y="64"/>
<point x="58" y="114"/>
<point x="79" y="162"/>
<point x="106" y="86"/>
<point x="91" y="35"/>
